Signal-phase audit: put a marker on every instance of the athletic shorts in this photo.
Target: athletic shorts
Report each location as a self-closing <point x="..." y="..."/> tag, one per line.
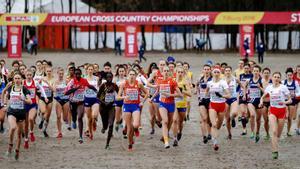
<point x="255" y="102"/>
<point x="119" y="103"/>
<point x="241" y="101"/>
<point x="267" y="104"/>
<point x="28" y="107"/>
<point x="20" y="115"/>
<point x="89" y="102"/>
<point x="230" y="101"/>
<point x="130" y="108"/>
<point x="156" y="99"/>
<point x="181" y="109"/>
<point x="280" y="113"/>
<point x="169" y="106"/>
<point x="62" y="102"/>
<point x="204" y="102"/>
<point x="50" y="100"/>
<point x="294" y="102"/>
<point x="218" y="107"/>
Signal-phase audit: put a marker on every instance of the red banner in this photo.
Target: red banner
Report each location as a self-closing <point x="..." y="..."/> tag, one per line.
<point x="131" y="45"/>
<point x="152" y="18"/>
<point x="247" y="40"/>
<point x="14" y="45"/>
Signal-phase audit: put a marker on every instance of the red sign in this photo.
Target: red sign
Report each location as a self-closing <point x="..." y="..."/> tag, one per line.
<point x="247" y="39"/>
<point x="131" y="46"/>
<point x="14" y="41"/>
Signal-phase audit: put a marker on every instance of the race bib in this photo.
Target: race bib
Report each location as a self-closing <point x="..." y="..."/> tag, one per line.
<point x="132" y="94"/>
<point x="254" y="93"/>
<point x="48" y="91"/>
<point x="164" y="88"/>
<point x="79" y="95"/>
<point x="32" y="93"/>
<point x="109" y="97"/>
<point x="16" y="102"/>
<point x="90" y="93"/>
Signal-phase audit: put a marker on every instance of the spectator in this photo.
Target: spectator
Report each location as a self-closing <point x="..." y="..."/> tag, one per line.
<point x="142" y="52"/>
<point x="118" y="46"/>
<point x="246" y="48"/>
<point x="200" y="43"/>
<point x="260" y="51"/>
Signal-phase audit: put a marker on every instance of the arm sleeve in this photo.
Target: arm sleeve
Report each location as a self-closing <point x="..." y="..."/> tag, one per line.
<point x="42" y="90"/>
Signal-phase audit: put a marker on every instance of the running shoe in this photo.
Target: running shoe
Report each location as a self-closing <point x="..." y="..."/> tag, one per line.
<point x="179" y="135"/>
<point x="275" y="155"/>
<point x="205" y="140"/>
<point x="167" y="145"/>
<point x="137" y="133"/>
<point x="252" y="135"/>
<point x="16" y="154"/>
<point x="80" y="140"/>
<point x="7" y="154"/>
<point x="26" y="144"/>
<point x="32" y="137"/>
<point x="288" y="134"/>
<point x="102" y="130"/>
<point x="152" y="131"/>
<point x="158" y="123"/>
<point x="244" y="133"/>
<point x="69" y="127"/>
<point x="41" y="124"/>
<point x="175" y="143"/>
<point x="233" y="124"/>
<point x="188" y="117"/>
<point x="107" y="147"/>
<point x="130" y="147"/>
<point x="239" y="118"/>
<point x="59" y="135"/>
<point x="267" y="137"/>
<point x="298" y="132"/>
<point x="216" y="147"/>
<point x="209" y="137"/>
<point x="257" y="138"/>
<point x="229" y="137"/>
<point x="45" y="133"/>
<point x="91" y="137"/>
<point x="74" y="125"/>
<point x="87" y="133"/>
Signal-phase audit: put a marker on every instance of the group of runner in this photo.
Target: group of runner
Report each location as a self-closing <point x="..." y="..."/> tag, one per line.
<point x="118" y="96"/>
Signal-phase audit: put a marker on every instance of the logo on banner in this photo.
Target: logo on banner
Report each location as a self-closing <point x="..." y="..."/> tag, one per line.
<point x="22" y="18"/>
<point x="247" y="29"/>
<point x="14" y="30"/>
<point x="131" y="29"/>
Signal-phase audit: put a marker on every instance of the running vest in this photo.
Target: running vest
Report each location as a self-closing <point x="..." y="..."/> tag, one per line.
<point x="32" y="88"/>
<point x="132" y="92"/>
<point x="202" y="88"/>
<point x="254" y="91"/>
<point x="89" y="93"/>
<point x="243" y="78"/>
<point x="60" y="91"/>
<point x="291" y="87"/>
<point x="233" y="87"/>
<point x="181" y="102"/>
<point x="16" y="101"/>
<point x="47" y="89"/>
